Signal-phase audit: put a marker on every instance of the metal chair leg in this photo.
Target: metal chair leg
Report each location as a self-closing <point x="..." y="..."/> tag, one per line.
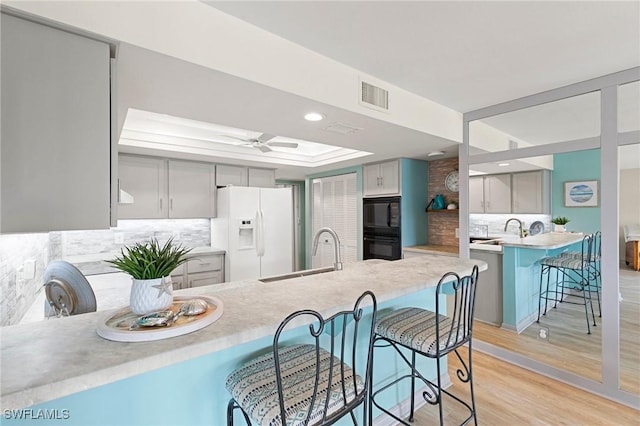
<point x="473" y="399"/>
<point x="230" y="408"/>
<point x="413" y="385"/>
<point x="439" y="396"/>
<point x="540" y="293"/>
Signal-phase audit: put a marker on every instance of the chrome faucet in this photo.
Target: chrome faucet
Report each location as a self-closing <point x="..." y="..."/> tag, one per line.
<point x="337" y="265"/>
<point x="520" y="224"/>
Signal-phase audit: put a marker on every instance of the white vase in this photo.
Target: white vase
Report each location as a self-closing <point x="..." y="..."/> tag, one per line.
<point x="559" y="228"/>
<point x="150" y="295"/>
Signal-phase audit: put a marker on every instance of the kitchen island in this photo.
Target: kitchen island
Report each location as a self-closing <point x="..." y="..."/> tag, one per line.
<point x="62" y="364"/>
<point x="521" y="274"/>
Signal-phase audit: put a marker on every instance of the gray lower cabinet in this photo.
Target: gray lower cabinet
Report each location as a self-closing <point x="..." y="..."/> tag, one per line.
<point x="489" y="291"/>
<point x="200" y="270"/>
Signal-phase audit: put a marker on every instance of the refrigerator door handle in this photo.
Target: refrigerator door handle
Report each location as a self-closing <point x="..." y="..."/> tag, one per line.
<point x="260" y="233"/>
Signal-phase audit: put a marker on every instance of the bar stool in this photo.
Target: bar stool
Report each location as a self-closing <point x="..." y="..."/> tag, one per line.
<point x="434" y="336"/>
<point x="595" y="276"/>
<point x="575" y="272"/>
<point x="303" y="383"/>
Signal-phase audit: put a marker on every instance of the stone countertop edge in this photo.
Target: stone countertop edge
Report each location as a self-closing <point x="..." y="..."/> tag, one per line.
<point x="433" y="249"/>
<point x="550" y="240"/>
<point x="63" y="369"/>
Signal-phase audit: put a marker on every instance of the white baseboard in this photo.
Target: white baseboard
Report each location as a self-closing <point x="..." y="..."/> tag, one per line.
<point x="403" y="408"/>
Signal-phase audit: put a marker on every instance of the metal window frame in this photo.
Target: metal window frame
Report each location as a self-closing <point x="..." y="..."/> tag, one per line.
<point x="608" y="143"/>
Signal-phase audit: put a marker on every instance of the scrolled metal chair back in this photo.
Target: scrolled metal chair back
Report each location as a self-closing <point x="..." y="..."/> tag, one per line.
<point x="588" y="249"/>
<point x="350" y="345"/>
<point x="456" y="330"/>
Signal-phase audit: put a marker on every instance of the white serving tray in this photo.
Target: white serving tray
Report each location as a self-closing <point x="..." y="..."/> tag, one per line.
<point x="115" y="326"/>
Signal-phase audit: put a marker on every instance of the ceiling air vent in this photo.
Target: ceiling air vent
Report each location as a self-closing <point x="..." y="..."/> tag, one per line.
<point x="513" y="144"/>
<point x="373" y="96"/>
<point x="342" y="128"/>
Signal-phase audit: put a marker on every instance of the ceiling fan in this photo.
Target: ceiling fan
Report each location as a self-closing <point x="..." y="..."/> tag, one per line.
<point x="262" y="142"/>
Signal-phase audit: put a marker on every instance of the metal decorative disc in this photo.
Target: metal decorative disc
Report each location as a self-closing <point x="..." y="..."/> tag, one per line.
<point x="67" y="289"/>
<point x="536" y="227"/>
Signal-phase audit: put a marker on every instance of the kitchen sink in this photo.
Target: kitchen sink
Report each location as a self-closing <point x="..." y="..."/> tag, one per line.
<point x="296" y="274"/>
<point x="481" y="240"/>
<point x="490" y="242"/>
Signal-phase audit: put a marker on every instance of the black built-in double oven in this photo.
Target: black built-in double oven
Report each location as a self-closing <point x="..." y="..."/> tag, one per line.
<point x="381" y="221"/>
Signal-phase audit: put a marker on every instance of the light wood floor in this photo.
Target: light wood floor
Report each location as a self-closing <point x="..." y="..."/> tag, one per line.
<point x="569" y="346"/>
<point x="509" y="395"/>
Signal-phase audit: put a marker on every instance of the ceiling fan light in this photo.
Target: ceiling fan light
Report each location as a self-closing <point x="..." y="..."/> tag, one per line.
<point x="313" y="116"/>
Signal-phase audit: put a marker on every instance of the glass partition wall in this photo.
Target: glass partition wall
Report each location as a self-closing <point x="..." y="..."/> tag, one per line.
<point x="561" y="148"/>
<point x="629" y="218"/>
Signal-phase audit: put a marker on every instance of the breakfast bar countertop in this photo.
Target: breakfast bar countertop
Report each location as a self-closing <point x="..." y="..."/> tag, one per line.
<point x="550" y="240"/>
<point x="70" y="356"/>
<point x="434" y="249"/>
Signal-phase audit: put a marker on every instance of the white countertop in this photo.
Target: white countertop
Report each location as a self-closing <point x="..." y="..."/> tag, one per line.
<point x="70" y="356"/>
<point x="434" y="249"/>
<point x="550" y="240"/>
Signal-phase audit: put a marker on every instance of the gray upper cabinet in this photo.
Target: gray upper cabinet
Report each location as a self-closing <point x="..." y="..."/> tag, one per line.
<point x="530" y="192"/>
<point x="263" y="178"/>
<point x="476" y="194"/>
<point x="231" y="175"/>
<point x="192" y="189"/>
<point x="55" y="154"/>
<point x="142" y="184"/>
<point x="245" y="176"/>
<point x="490" y="194"/>
<point x="157" y="188"/>
<point x="381" y="179"/>
<point x="525" y="193"/>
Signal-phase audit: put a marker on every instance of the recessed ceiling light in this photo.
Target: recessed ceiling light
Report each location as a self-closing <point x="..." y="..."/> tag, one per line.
<point x="313" y="116"/>
<point x="435" y="153"/>
<point x="503" y="164"/>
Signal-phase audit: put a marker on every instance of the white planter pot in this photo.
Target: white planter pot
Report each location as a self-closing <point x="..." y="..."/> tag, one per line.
<point x="559" y="228"/>
<point x="150" y="295"/>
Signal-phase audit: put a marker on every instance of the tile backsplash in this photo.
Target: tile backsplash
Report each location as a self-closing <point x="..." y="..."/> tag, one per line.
<point x="19" y="292"/>
<point x="494" y="223"/>
<point x="85" y="249"/>
<point x="189" y="232"/>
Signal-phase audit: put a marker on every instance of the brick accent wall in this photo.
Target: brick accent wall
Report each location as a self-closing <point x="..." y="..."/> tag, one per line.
<point x="441" y="227"/>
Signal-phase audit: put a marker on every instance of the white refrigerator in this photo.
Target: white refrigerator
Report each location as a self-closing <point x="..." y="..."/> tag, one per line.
<point x="255" y="227"/>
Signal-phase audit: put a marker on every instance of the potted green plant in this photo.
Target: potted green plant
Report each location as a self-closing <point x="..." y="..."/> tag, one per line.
<point x="559" y="223"/>
<point x="150" y="265"/>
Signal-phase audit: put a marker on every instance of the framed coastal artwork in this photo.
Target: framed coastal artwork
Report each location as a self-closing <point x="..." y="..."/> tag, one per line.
<point x="582" y="193"/>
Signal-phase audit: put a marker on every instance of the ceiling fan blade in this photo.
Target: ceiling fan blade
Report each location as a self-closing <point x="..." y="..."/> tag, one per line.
<point x="265" y="137"/>
<point x="263" y="148"/>
<point x="236" y="138"/>
<point x="284" y="144"/>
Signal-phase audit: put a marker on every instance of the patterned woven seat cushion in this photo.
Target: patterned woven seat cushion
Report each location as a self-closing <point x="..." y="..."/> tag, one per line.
<point x="567" y="262"/>
<point x="254" y="388"/>
<point x="578" y="254"/>
<point x="416" y="328"/>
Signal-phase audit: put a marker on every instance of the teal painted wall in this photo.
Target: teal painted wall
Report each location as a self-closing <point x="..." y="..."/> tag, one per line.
<point x="575" y="166"/>
<point x="193" y="392"/>
<point x="309" y="203"/>
<point x="414" y="200"/>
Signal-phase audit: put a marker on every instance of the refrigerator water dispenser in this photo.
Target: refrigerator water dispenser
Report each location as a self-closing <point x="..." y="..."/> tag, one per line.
<point x="245" y="234"/>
